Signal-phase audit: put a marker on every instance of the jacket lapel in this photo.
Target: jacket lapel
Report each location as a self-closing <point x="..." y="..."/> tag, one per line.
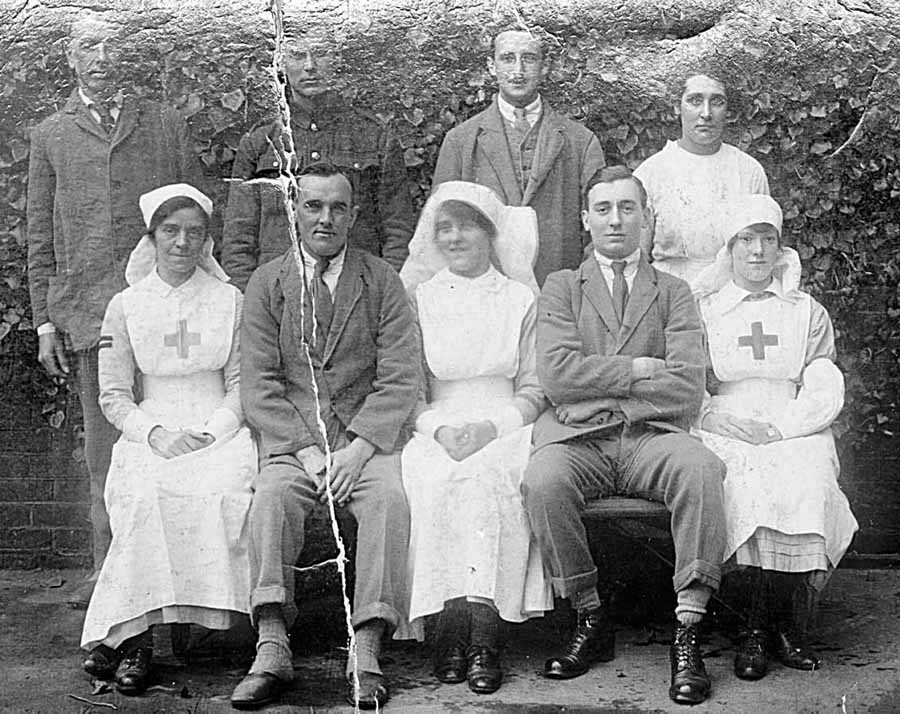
<point x="643" y="293"/>
<point x="82" y="117"/>
<point x="492" y="145"/>
<point x="597" y="293"/>
<point x="551" y="139"/>
<point x="346" y="295"/>
<point x="292" y="287"/>
<point x="128" y="120"/>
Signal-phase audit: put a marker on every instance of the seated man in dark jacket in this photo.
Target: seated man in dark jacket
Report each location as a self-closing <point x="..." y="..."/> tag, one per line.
<point x="620" y="355"/>
<point x="330" y="371"/>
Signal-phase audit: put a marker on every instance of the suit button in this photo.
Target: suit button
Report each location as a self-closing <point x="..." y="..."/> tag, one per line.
<point x="313" y="127"/>
<point x="315" y="155"/>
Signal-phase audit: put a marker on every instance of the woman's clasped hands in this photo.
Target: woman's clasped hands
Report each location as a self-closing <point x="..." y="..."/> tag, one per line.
<point x="169" y="443"/>
<point x="463" y="441"/>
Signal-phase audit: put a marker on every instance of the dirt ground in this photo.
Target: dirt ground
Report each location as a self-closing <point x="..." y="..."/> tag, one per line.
<point x="856" y="630"/>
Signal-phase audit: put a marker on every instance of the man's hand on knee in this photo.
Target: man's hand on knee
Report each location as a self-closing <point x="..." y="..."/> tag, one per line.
<point x="346" y="465"/>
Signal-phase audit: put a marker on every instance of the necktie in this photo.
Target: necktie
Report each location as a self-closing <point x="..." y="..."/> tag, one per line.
<point x="322" y="299"/>
<point x="106" y="119"/>
<point x="620" y="289"/>
<point x="521" y="124"/>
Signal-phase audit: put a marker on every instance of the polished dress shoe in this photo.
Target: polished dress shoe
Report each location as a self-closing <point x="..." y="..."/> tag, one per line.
<point x="751" y="661"/>
<point x="791" y="656"/>
<point x="450" y="665"/>
<point x="101" y="662"/>
<point x="373" y="691"/>
<point x="594" y="640"/>
<point x="133" y="672"/>
<point x="483" y="672"/>
<point x="256" y="690"/>
<point x="690" y="682"/>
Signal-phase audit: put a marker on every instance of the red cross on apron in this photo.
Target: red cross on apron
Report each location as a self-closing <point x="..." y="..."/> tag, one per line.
<point x="182" y="339"/>
<point x="758" y="340"/>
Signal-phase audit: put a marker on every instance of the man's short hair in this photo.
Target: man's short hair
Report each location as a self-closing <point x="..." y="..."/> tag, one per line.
<point x="537" y="39"/>
<point x="609" y="174"/>
<point x="325" y="169"/>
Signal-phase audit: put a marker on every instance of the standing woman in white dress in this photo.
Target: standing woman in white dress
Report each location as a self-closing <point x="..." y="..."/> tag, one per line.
<point x="178" y="489"/>
<point x="772" y="351"/>
<point x="471" y="553"/>
<point x="690" y="180"/>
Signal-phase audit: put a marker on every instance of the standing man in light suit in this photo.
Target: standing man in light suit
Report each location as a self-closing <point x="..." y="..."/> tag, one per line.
<point x="526" y="152"/>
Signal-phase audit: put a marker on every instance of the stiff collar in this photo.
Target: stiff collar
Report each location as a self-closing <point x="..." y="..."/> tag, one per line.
<point x="631" y="261"/>
<point x="335" y="264"/>
<point x="489" y="281"/>
<point x="508" y="111"/>
<point x="154" y="284"/>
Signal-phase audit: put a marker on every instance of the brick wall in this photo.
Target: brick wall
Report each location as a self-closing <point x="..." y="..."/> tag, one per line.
<point x="44" y="511"/>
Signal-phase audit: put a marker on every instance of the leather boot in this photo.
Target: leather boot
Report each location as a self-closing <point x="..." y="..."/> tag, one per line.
<point x="594" y="640"/>
<point x="690" y="682"/>
<point x="785" y="636"/>
<point x="133" y="672"/>
<point x="451" y="639"/>
<point x="751" y="661"/>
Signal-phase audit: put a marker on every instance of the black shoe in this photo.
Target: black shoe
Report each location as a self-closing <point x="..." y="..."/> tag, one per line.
<point x="751" y="661"/>
<point x="450" y="665"/>
<point x="373" y="691"/>
<point x="791" y="656"/>
<point x="133" y="672"/>
<point x="256" y="690"/>
<point x="594" y="640"/>
<point x="101" y="662"/>
<point x="690" y="682"/>
<point x="483" y="673"/>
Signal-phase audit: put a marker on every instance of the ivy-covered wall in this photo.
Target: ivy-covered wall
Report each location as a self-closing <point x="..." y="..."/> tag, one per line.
<point x="815" y="94"/>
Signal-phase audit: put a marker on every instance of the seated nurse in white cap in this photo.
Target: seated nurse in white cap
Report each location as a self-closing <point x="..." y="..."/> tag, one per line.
<point x="178" y="489"/>
<point x="772" y="351"/>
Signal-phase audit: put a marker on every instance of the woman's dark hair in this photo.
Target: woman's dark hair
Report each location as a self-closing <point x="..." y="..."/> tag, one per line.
<point x="466" y="212"/>
<point x="169" y="206"/>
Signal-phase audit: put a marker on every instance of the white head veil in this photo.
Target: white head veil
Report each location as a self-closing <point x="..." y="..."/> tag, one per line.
<point x="742" y="212"/>
<point x="515" y="244"/>
<point x="142" y="260"/>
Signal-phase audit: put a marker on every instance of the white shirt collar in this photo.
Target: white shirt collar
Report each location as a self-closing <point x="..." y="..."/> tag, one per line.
<point x="331" y="275"/>
<point x="508" y="111"/>
<point x="115" y="104"/>
<point x="631" y="261"/>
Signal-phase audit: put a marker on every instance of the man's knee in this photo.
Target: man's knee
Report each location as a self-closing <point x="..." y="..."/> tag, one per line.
<point x="546" y="476"/>
<point x="275" y="487"/>
<point x="701" y="471"/>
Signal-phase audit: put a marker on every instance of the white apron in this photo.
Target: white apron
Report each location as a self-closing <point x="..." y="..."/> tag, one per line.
<point x="179" y="548"/>
<point x="790" y="486"/>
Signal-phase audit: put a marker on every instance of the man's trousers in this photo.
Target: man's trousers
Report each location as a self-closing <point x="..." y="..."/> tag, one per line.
<point x="99" y="438"/>
<point x="284" y="495"/>
<point x="673" y="468"/>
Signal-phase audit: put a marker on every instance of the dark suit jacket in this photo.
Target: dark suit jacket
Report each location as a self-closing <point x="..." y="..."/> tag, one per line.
<point x="583" y="354"/>
<point x="370" y="367"/>
<point x="567" y="155"/>
<point x="83" y="213"/>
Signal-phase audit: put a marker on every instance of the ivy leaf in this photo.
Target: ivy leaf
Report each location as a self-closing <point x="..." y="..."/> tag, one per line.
<point x="412" y="157"/>
<point x="820" y="147"/>
<point x="416" y="117"/>
<point x="57" y="419"/>
<point x="5" y="327"/>
<point x="233" y="100"/>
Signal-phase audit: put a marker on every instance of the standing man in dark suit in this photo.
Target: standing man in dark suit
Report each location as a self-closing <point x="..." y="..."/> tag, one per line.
<point x="330" y="371"/>
<point x="620" y="355"/>
<point x="526" y="152"/>
<point x="323" y="127"/>
<point x="89" y="164"/>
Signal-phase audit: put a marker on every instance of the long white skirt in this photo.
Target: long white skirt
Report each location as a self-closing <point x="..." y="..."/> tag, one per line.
<point x="469" y="533"/>
<point x="790" y="488"/>
<point x="179" y="547"/>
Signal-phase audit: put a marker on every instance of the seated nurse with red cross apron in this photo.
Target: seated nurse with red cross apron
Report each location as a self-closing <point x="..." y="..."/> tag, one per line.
<point x="178" y="488"/>
<point x="777" y="390"/>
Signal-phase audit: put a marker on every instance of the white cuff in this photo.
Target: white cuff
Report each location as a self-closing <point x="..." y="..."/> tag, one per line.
<point x="222" y="421"/>
<point x="46" y="328"/>
<point x="137" y="426"/>
<point x="507" y="420"/>
<point x="428" y="422"/>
